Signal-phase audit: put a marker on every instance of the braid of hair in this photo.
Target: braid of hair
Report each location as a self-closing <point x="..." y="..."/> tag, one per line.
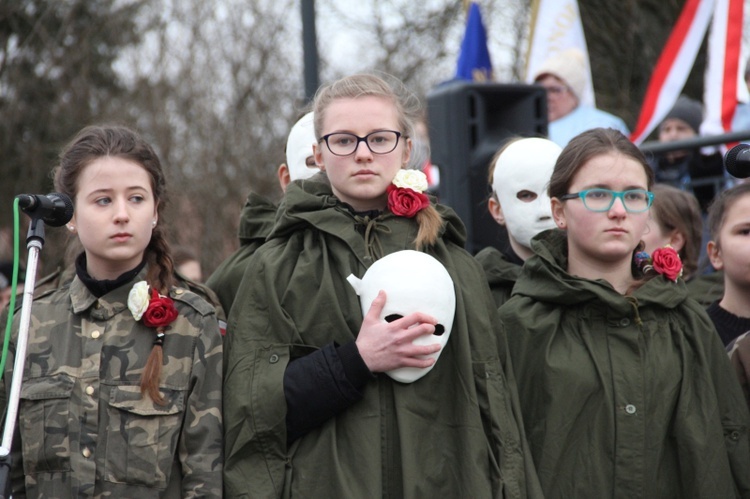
<point x="430" y="224"/>
<point x="160" y="264"/>
<point x="152" y="372"/>
<point x="161" y="277"/>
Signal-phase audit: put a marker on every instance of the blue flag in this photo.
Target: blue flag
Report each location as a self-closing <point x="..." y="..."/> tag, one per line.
<point x="474" y="59"/>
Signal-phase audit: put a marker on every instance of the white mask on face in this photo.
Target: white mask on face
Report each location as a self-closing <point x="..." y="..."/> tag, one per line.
<point x="413" y="282"/>
<point x="299" y="148"/>
<point x="525" y="165"/>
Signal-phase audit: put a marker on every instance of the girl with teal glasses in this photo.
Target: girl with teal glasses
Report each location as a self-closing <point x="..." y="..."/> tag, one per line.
<point x="625" y="387"/>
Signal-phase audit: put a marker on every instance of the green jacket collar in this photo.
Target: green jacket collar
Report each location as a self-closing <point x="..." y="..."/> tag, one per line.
<point x="545" y="278"/>
<point x="312" y="203"/>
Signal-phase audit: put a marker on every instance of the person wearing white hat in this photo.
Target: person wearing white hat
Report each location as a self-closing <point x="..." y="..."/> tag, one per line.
<point x="258" y="214"/>
<point x="563" y="76"/>
<point x="519" y="174"/>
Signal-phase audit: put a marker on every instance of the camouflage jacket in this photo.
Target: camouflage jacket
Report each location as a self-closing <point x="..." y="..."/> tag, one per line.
<point x="63" y="276"/>
<point x="85" y="429"/>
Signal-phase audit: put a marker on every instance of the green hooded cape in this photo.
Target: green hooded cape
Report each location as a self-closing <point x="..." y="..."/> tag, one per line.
<point x="623" y="396"/>
<point x="456" y="432"/>
<point x="501" y="273"/>
<point x="256" y="222"/>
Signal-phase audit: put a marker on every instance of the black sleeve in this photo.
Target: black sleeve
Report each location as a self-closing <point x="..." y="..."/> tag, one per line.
<point x="322" y="384"/>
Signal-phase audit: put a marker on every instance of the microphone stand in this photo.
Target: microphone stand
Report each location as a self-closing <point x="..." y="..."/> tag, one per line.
<point x="34" y="243"/>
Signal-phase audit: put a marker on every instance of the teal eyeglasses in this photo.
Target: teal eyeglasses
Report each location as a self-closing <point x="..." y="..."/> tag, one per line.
<point x="634" y="200"/>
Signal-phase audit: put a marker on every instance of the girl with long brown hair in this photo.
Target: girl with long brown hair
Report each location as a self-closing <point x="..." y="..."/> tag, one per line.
<point x="121" y="392"/>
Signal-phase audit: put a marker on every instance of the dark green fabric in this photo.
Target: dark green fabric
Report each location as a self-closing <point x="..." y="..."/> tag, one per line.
<point x="454" y="433"/>
<point x="501" y="273"/>
<point x="707" y="288"/>
<point x="256" y="222"/>
<point x="623" y="396"/>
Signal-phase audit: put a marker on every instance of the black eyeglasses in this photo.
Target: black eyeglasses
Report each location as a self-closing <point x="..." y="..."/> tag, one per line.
<point x="634" y="200"/>
<point x="344" y="144"/>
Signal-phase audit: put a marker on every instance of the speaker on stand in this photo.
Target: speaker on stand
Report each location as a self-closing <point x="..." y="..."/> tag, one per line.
<point x="468" y="122"/>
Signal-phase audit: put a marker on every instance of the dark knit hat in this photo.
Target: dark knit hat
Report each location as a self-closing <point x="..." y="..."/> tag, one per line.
<point x="688" y="110"/>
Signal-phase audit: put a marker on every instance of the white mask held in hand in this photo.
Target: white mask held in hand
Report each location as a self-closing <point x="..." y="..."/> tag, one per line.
<point x="299" y="147"/>
<point x="525" y="165"/>
<point x="413" y="282"/>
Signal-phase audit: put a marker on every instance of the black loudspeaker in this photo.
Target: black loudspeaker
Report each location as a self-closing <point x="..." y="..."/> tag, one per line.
<point x="468" y="123"/>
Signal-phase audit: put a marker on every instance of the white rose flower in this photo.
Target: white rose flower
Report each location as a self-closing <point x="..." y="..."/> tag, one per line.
<point x="411" y="179"/>
<point x="138" y="299"/>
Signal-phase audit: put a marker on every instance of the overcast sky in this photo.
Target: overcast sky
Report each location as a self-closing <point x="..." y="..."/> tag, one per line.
<point x="345" y="45"/>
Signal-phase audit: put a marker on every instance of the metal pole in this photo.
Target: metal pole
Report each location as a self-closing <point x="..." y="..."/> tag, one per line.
<point x="310" y="48"/>
<point x="694" y="143"/>
<point x="35" y="242"/>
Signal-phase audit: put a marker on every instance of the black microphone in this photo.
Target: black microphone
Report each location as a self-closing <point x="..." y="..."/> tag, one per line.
<point x="737" y="161"/>
<point x="54" y="209"/>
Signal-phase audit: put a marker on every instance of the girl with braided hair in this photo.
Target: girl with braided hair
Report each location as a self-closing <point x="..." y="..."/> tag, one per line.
<point x="121" y="392"/>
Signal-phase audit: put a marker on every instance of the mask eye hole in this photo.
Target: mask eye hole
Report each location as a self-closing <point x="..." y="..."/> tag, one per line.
<point x="439" y="328"/>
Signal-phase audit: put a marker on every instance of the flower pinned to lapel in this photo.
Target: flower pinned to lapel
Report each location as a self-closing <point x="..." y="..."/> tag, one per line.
<point x="157" y="311"/>
<point x="138" y="299"/>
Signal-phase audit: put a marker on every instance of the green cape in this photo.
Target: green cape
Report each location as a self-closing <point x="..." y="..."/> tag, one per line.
<point x="456" y="432"/>
<point x="501" y="273"/>
<point x="623" y="396"/>
<point x="256" y="222"/>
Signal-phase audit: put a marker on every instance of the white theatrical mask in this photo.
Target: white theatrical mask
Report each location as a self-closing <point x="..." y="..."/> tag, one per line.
<point x="525" y="165"/>
<point x="413" y="282"/>
<point x="299" y="146"/>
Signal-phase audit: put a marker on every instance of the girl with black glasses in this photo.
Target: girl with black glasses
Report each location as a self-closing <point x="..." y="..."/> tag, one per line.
<point x="313" y="407"/>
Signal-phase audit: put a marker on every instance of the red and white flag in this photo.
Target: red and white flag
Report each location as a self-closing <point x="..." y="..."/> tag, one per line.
<point x="724" y="82"/>
<point x="673" y="66"/>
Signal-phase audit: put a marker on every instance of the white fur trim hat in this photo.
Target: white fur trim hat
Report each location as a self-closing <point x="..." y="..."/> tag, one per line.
<point x="570" y="67"/>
